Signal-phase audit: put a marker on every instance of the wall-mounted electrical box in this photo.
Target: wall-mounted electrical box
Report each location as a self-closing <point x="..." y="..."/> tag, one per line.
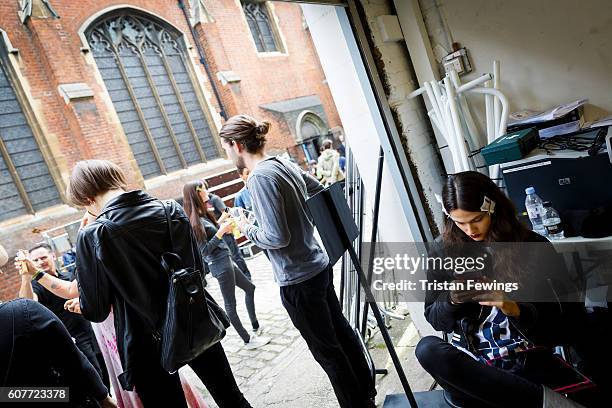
<point x="457" y="60"/>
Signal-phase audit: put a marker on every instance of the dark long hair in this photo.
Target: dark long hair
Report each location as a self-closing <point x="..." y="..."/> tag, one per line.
<point x="466" y="191"/>
<point x="195" y="208"/>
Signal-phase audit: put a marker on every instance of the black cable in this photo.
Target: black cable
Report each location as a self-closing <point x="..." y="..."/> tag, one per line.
<point x="577" y="141"/>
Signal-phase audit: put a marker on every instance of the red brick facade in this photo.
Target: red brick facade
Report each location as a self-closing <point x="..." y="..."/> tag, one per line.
<point x="51" y="53"/>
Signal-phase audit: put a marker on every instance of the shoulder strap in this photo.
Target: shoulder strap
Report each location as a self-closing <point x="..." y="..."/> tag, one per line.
<point x="300" y="193"/>
<point x="168" y="223"/>
<point x="288" y="174"/>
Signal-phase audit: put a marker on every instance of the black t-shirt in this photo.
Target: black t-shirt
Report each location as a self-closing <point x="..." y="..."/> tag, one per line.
<point x="77" y="326"/>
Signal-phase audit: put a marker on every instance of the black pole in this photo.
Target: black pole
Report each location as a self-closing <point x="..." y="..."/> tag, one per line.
<point x="203" y="61"/>
<point x="383" y="330"/>
<point x="381" y="160"/>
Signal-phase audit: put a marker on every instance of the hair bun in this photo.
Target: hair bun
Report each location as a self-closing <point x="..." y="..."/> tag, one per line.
<point x="261" y="129"/>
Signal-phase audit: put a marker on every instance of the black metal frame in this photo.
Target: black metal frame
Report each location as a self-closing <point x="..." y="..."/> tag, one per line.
<point x="340" y="231"/>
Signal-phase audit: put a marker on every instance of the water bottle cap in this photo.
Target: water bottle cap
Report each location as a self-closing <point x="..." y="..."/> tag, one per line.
<point x="547" y="204"/>
<point x="529" y="190"/>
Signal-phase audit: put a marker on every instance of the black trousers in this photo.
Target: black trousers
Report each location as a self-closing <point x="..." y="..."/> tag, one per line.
<point x="157" y="388"/>
<point x="473" y="383"/>
<point x="86" y="344"/>
<point x="236" y="255"/>
<point x="229" y="276"/>
<point x="315" y="311"/>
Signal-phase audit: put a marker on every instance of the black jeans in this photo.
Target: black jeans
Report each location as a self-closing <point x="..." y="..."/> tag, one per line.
<point x="230" y="276"/>
<point x="236" y="255"/>
<point x="158" y="388"/>
<point x="473" y="383"/>
<point x="315" y="311"/>
<point x="88" y="348"/>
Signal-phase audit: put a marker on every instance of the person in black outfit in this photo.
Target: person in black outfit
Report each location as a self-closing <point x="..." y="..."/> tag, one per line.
<point x="118" y="265"/>
<point x="210" y="233"/>
<point x="37" y="351"/>
<point x="492" y="359"/>
<point x="218" y="208"/>
<point x="80" y="329"/>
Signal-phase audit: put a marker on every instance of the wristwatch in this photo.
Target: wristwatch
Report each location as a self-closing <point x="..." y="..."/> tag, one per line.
<point x="39" y="274"/>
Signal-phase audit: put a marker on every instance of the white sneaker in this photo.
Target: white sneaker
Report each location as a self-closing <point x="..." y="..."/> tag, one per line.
<point x="256" y="342"/>
<point x="257" y="332"/>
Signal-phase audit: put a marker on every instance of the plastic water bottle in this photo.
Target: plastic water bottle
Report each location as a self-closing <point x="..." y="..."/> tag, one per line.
<point x="552" y="221"/>
<point x="535" y="210"/>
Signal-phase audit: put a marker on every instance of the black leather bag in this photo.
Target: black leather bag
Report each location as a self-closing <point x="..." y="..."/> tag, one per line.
<point x="194" y="321"/>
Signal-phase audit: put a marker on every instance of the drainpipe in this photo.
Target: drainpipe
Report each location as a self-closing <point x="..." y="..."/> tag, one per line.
<point x="203" y="61"/>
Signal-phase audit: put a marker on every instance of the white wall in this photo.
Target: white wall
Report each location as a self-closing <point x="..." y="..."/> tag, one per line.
<point x="356" y="112"/>
<point x="551" y="51"/>
<point x="362" y="123"/>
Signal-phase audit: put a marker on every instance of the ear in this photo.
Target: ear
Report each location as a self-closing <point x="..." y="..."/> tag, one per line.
<point x="238" y="147"/>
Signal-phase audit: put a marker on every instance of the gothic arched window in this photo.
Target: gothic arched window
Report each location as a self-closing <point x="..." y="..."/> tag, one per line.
<point x="26" y="185"/>
<point x="143" y="64"/>
<point x="258" y="19"/>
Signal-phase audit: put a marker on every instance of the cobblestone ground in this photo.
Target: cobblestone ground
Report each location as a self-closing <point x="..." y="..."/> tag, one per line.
<point x="283" y="374"/>
<point x="255" y="370"/>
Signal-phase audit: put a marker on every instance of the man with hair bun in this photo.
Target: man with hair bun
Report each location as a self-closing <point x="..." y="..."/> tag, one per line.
<point x="279" y="190"/>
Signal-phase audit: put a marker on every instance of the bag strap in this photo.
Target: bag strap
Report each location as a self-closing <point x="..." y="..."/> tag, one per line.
<point x="301" y="194"/>
<point x="288" y="174"/>
<point x="170" y="261"/>
<point x="168" y="224"/>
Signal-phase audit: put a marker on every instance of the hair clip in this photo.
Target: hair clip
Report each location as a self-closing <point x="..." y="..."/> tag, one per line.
<point x="487" y="205"/>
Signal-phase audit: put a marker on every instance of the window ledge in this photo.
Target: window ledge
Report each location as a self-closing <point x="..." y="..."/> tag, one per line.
<point x="272" y="54"/>
<point x="31" y="221"/>
<point x="182" y="174"/>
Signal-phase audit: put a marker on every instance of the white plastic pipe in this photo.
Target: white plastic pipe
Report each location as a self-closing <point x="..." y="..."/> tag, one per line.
<point x="473" y="134"/>
<point x="488" y="113"/>
<point x="474" y="83"/>
<point x="456" y="122"/>
<point x="504" y="103"/>
<point x="416" y="92"/>
<point x="496" y="102"/>
<point x="437" y="114"/>
<point x="434" y="120"/>
<point x="452" y="143"/>
<point x="444" y="116"/>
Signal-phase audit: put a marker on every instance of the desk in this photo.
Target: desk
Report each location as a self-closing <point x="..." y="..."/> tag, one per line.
<point x="574" y="182"/>
<point x="595" y="250"/>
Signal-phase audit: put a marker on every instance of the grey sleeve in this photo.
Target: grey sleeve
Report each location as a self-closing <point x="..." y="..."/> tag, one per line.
<point x="268" y="205"/>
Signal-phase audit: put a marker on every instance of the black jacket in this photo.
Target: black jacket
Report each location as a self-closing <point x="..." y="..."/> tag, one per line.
<point x="36" y="350"/>
<point x="212" y="248"/>
<point x="544" y="322"/>
<point x="118" y="265"/>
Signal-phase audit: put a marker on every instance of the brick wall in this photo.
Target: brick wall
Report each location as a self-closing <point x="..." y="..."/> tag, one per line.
<point x="51" y="53"/>
<point x="265" y="78"/>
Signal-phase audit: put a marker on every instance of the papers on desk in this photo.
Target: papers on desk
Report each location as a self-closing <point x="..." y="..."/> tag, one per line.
<point x="563" y="129"/>
<point x="529" y="116"/>
<point x="607" y="121"/>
